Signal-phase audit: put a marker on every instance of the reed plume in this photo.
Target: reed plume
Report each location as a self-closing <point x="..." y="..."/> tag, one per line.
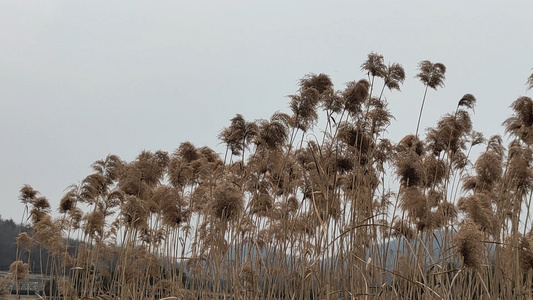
<point x="227" y="202"/>
<point x="19" y="270"/>
<point x="415" y="203"/>
<point x="94" y="224"/>
<point x="355" y="95"/>
<point x="469" y="246"/>
<point x="520" y="124"/>
<point x="409" y="165"/>
<point x="172" y="207"/>
<point x="374" y="65"/>
<point x="110" y="167"/>
<point x="449" y="132"/>
<point x="42" y="204"/>
<point x="432" y="75"/>
<point x="468" y="101"/>
<point x="394" y="76"/>
<point x="478" y="209"/>
<point x="68" y="202"/>
<point x="320" y="82"/>
<point x="488" y="167"/>
<point x="273" y="134"/>
<point x="238" y="135"/>
<point x="24" y="241"/>
<point x="519" y="173"/>
<point x="134" y="213"/>
<point x="27" y="194"/>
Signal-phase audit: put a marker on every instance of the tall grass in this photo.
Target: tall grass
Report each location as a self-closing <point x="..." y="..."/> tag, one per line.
<point x="289" y="213"/>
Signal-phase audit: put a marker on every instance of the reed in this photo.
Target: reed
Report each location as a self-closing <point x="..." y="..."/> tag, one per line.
<point x="290" y="214"/>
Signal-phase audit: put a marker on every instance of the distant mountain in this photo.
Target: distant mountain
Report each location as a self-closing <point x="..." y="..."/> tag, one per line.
<point x="9" y="231"/>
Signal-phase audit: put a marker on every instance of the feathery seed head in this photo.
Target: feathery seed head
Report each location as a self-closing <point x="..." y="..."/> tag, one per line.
<point x="520" y="124"/>
<point x="227" y="202"/>
<point x="76" y="216"/>
<point x="478" y="208"/>
<point x="24" y="241"/>
<point x="263" y="238"/>
<point x="110" y="168"/>
<point x="180" y="173"/>
<point x="468" y="101"/>
<point x="450" y="133"/>
<point x="37" y="215"/>
<point x="431" y="74"/>
<point x="94" y="226"/>
<point x="468" y="244"/>
<point x="150" y="167"/>
<point x="132" y="181"/>
<point x="435" y="170"/>
<point x="162" y="195"/>
<point x="411" y="142"/>
<point x="201" y="197"/>
<point x="48" y="234"/>
<point x="93" y="186"/>
<point x="27" y="194"/>
<point x="379" y="115"/>
<point x="272" y="135"/>
<point x="320" y="82"/>
<point x="172" y="207"/>
<point x="19" y="270"/>
<point x="261" y="204"/>
<point x="355" y="137"/>
<point x="476" y="138"/>
<point x="333" y="102"/>
<point x="304" y="106"/>
<point x="414" y="202"/>
<point x="41" y="203"/>
<point x="495" y="144"/>
<point x="134" y="213"/>
<point x="162" y="158"/>
<point x="344" y="164"/>
<point x="519" y="173"/>
<point x="409" y="168"/>
<point x="209" y="155"/>
<point x="374" y="65"/>
<point x="68" y="202"/>
<point x="187" y="151"/>
<point x="355" y="95"/>
<point x="489" y="169"/>
<point x="394" y="76"/>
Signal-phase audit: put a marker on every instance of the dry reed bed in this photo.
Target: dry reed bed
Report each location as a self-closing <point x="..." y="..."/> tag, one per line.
<point x="294" y="215"/>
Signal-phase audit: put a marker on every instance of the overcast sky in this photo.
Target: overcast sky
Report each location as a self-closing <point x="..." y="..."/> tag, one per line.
<point x="83" y="79"/>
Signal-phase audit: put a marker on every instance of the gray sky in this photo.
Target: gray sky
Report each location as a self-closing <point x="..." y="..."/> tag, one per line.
<point x="83" y="79"/>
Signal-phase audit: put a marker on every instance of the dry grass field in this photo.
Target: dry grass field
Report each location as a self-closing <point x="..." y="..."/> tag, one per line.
<point x="292" y="210"/>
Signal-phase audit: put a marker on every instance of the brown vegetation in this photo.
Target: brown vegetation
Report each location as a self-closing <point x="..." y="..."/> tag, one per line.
<point x="287" y="215"/>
